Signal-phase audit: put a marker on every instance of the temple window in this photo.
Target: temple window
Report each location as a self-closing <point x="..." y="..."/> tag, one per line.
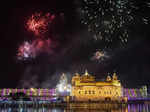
<point x="93" y="92"/>
<point x="89" y="92"/>
<point x="85" y="92"/>
<point x="79" y="92"/>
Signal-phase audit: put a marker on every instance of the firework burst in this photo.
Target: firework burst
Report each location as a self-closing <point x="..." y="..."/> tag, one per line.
<point x="100" y="56"/>
<point x="109" y="20"/>
<point x="38" y="23"/>
<point x="25" y="51"/>
<point x="30" y="50"/>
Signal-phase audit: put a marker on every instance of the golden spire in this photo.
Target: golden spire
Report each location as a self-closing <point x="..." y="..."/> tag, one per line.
<point x="86" y="72"/>
<point x="115" y="76"/>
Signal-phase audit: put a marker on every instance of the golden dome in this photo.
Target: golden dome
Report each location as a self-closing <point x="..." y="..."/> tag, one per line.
<point x="108" y="78"/>
<point x="115" y="76"/>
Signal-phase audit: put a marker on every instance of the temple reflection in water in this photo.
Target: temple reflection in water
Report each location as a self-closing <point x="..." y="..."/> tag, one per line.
<point x="104" y="108"/>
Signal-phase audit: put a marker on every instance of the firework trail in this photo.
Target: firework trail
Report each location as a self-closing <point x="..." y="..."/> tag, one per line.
<point x="109" y="20"/>
<point x="38" y="23"/>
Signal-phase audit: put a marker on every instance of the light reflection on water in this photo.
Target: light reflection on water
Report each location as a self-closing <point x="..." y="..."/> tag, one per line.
<point x="127" y="108"/>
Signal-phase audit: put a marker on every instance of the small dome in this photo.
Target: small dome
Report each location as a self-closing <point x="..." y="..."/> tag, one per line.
<point x="108" y="78"/>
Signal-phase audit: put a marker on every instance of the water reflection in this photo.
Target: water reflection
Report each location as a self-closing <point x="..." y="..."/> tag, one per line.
<point x="32" y="110"/>
<point x="139" y="108"/>
<point x="107" y="108"/>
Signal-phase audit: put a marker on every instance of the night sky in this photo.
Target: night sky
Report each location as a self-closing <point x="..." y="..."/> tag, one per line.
<point x="74" y="51"/>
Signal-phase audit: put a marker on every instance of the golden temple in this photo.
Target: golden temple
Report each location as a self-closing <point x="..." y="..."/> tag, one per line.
<point x="86" y="88"/>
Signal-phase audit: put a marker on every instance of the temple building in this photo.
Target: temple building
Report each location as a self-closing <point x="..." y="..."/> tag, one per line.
<point x="86" y="88"/>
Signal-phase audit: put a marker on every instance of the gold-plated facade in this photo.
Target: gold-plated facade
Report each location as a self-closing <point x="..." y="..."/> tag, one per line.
<point x="85" y="88"/>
